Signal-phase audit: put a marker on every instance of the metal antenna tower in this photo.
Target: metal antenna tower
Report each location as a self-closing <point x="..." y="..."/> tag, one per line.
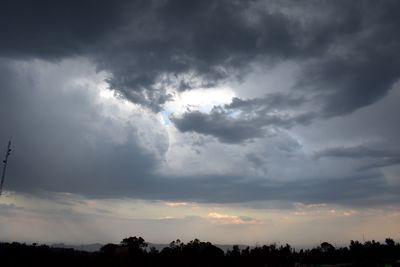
<point x="3" y="174"/>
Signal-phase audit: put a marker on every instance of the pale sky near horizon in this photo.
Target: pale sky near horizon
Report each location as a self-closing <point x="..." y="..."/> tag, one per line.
<point x="246" y="122"/>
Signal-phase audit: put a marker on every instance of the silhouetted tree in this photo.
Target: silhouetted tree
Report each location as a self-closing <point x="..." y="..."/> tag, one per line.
<point x="133" y="251"/>
<point x="136" y="244"/>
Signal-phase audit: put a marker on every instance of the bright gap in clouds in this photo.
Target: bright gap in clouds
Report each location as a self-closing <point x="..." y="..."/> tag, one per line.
<point x="201" y="99"/>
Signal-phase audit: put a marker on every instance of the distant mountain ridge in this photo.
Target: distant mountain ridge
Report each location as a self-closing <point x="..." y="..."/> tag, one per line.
<point x="96" y="246"/>
<point x="85" y="247"/>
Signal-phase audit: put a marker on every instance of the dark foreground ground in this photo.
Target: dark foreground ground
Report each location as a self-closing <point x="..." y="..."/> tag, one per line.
<point x="135" y="251"/>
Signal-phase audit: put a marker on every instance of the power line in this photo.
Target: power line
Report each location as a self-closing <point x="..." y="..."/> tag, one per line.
<point x="3" y="174"/>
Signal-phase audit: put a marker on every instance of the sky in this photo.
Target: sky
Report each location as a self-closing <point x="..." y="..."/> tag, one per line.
<point x="235" y="122"/>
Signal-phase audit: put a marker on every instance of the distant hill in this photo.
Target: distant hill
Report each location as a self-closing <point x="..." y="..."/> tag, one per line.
<point x="88" y="247"/>
<point x="96" y="246"/>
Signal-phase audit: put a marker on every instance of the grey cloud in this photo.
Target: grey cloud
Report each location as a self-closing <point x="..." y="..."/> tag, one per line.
<point x="383" y="162"/>
<point x="61" y="139"/>
<point x="359" y="68"/>
<point x="243" y="120"/>
<point x="51" y="153"/>
<point x="269" y="102"/>
<point x="375" y="157"/>
<point x="348" y="55"/>
<point x="366" y="189"/>
<point x="357" y="190"/>
<point x="219" y="125"/>
<point x="346" y="85"/>
<point x="360" y="151"/>
<point x="190" y="44"/>
<point x="52" y="30"/>
<point x="256" y="159"/>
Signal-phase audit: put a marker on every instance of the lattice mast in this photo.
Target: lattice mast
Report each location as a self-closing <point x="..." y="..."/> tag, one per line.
<point x="3" y="174"/>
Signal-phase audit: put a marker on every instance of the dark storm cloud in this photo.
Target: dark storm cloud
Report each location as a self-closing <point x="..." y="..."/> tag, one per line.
<point x="358" y="66"/>
<point x="347" y="48"/>
<point x="347" y="84"/>
<point x="190" y="44"/>
<point x="352" y="64"/>
<point x="243" y="120"/>
<point x="219" y="124"/>
<point x="229" y="129"/>
<point x="348" y="55"/>
<point x="54" y="29"/>
<point x="269" y="102"/>
<point x="143" y="43"/>
<point x="348" y="58"/>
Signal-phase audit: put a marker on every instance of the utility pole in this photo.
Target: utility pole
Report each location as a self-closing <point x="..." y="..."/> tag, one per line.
<point x="3" y="174"/>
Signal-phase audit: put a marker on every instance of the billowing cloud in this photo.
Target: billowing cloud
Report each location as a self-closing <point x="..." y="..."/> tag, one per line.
<point x="347" y="55"/>
<point x="242" y="120"/>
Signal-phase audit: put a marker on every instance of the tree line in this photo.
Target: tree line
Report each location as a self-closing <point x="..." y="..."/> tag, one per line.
<point x="135" y="251"/>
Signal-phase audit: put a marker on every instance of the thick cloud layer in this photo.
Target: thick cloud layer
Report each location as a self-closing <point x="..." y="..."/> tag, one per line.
<point x="67" y="139"/>
<point x="64" y="137"/>
<point x="347" y="49"/>
<point x="52" y="30"/>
